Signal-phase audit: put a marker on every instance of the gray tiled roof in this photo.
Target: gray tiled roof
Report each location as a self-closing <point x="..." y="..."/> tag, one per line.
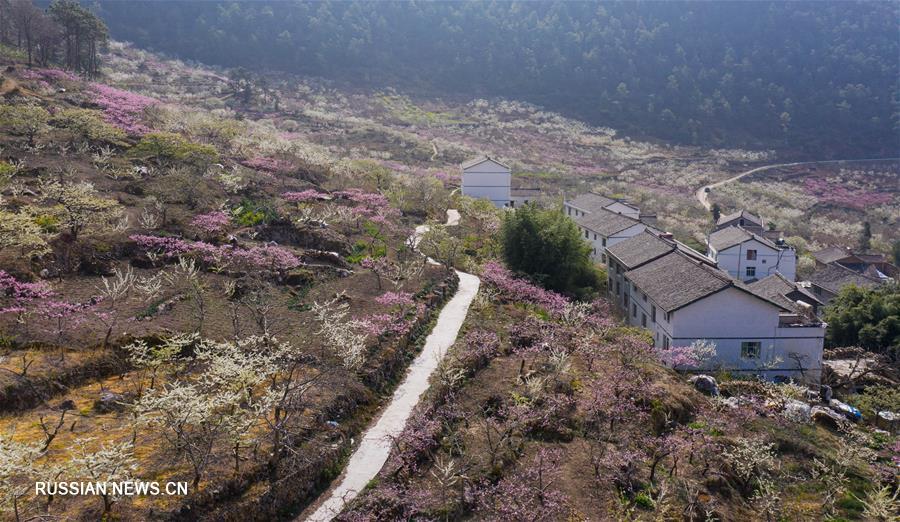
<point x="591" y="202"/>
<point x="740" y="214"/>
<point x="833" y="277"/>
<point x="674" y="280"/>
<point x="734" y="235"/>
<point x="647" y="246"/>
<point x="637" y="250"/>
<point x="830" y="254"/>
<point x="777" y="288"/>
<point x="605" y="222"/>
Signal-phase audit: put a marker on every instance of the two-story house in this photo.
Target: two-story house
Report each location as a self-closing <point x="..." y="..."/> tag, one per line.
<point x="605" y="221"/>
<point x="748" y="256"/>
<point x="681" y="297"/>
<point x="647" y="246"/>
<point x="487" y="178"/>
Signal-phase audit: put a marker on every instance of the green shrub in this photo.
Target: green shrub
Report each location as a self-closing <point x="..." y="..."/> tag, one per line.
<point x="166" y="148"/>
<point x="251" y="213"/>
<point x="875" y="399"/>
<point x="24" y="120"/>
<point x="88" y="125"/>
<point x="547" y="245"/>
<point x="47" y="222"/>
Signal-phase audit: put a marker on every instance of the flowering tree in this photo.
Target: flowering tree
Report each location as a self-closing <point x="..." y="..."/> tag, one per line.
<point x="110" y="463"/>
<point x="114" y="292"/>
<point x="123" y="109"/>
<point x="528" y="495"/>
<point x="397" y="320"/>
<point x="267" y="257"/>
<point x="211" y="224"/>
<point x="17" y="463"/>
<point x="18" y="230"/>
<point x="517" y="289"/>
<point x="340" y="332"/>
<point x="79" y="206"/>
<point x="695" y="356"/>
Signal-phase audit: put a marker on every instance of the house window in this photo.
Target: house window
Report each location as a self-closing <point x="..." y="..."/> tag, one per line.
<point x="666" y="342"/>
<point x="634" y="310"/>
<point x="751" y="271"/>
<point x="618" y="288"/>
<point x="587" y="235"/>
<point x="625" y="300"/>
<point x="644" y="296"/>
<point x="595" y="237"/>
<point x="751" y="255"/>
<point x="750" y="349"/>
<point x="602" y="241"/>
<point x="603" y="257"/>
<point x="653" y="313"/>
<point x="594" y="250"/>
<point x="668" y="317"/>
<point x="644" y="320"/>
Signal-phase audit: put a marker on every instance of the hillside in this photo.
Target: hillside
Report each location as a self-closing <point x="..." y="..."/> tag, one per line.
<point x="210" y="280"/>
<point x="803" y="77"/>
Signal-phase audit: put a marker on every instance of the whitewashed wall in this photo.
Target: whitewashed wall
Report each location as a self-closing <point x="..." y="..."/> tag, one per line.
<point x="488" y="180"/>
<point x="768" y="261"/>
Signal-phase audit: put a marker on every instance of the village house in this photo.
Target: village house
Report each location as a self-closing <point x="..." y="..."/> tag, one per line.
<point x="486" y="178"/>
<point x="748" y="256"/>
<point x="681" y="297"/>
<point x="592" y="202"/>
<point x="871" y="265"/>
<point x="605" y="221"/>
<point x="749" y="222"/>
<point x="828" y="281"/>
<point x="741" y="218"/>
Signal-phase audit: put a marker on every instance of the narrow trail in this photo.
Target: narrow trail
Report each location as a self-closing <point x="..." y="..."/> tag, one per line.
<point x="703" y="196"/>
<point x="373" y="451"/>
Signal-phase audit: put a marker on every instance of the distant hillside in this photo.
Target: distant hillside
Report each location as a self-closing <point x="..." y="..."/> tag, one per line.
<point x="806" y="76"/>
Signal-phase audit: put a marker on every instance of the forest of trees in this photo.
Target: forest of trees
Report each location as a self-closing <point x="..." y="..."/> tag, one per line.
<point x="65" y="32"/>
<point x="817" y="76"/>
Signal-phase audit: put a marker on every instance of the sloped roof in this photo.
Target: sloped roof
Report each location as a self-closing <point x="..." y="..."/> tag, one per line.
<point x="739" y="214"/>
<point x="481" y="159"/>
<point x="834" y="276"/>
<point x="647" y="246"/>
<point x="674" y="280"/>
<point x="637" y="250"/>
<point x="591" y="202"/>
<point x="605" y="222"/>
<point x="734" y="235"/>
<point x="830" y="254"/>
<point x="776" y="287"/>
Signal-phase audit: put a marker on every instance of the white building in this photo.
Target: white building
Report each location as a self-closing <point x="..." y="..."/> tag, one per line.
<point x="487" y="178"/>
<point x="604" y="221"/>
<point x="748" y="256"/>
<point x="681" y="297"/>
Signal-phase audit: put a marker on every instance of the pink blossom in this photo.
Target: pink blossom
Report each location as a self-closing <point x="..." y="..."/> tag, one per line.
<point x="212" y="222"/>
<point x="399" y="299"/>
<point x="269" y="257"/>
<point x="123" y="109"/>
<point x="304" y="195"/>
<point x="517" y="289"/>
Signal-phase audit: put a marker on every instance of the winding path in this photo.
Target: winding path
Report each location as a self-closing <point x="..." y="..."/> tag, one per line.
<point x="373" y="451"/>
<point x="703" y="196"/>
